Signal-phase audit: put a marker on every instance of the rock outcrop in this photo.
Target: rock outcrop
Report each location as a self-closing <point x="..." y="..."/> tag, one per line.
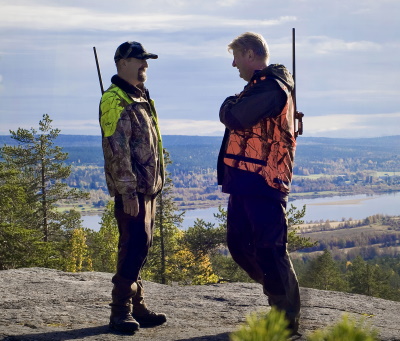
<point x="45" y="304"/>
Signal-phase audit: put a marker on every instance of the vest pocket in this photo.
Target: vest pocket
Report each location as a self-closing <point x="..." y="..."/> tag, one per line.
<point x="246" y="159"/>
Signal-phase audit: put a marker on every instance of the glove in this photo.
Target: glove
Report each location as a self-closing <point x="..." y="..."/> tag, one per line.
<point x="131" y="204"/>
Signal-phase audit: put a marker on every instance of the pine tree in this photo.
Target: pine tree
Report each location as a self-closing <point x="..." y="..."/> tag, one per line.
<point x="18" y="243"/>
<point x="368" y="279"/>
<point x="323" y="273"/>
<point x="204" y="238"/>
<point x="167" y="236"/>
<point x="41" y="173"/>
<point x="295" y="241"/>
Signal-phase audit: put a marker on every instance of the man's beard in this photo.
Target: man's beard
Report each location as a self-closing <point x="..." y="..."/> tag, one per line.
<point x="142" y="75"/>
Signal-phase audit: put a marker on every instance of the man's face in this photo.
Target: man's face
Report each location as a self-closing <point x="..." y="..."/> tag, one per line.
<point x="241" y="62"/>
<point x="136" y="69"/>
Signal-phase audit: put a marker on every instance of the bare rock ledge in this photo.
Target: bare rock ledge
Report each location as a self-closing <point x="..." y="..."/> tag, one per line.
<point x="45" y="304"/>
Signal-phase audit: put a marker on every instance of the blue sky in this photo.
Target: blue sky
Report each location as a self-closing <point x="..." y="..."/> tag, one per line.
<point x="347" y="60"/>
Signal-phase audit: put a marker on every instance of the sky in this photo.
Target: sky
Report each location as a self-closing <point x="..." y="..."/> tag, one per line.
<point x="347" y="56"/>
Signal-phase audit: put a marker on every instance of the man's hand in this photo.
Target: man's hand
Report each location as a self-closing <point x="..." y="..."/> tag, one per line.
<point x="131" y="204"/>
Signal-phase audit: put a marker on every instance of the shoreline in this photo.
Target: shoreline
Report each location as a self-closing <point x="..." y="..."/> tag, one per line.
<point x="215" y="204"/>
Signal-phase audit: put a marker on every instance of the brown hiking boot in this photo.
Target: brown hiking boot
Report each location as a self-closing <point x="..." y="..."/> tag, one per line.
<point x="141" y="313"/>
<point x="122" y="321"/>
<point x="148" y="318"/>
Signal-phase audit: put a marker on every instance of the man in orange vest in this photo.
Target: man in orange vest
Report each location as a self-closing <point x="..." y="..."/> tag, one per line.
<point x="255" y="167"/>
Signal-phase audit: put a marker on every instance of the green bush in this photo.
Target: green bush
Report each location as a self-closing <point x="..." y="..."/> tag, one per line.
<point x="270" y="326"/>
<point x="345" y="330"/>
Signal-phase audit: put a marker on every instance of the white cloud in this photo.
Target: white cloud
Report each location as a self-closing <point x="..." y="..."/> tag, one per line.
<point x="191" y="127"/>
<point x="328" y="45"/>
<point x="60" y="18"/>
<point x="353" y="94"/>
<point x="227" y="3"/>
<point x="78" y="127"/>
<point x="349" y="125"/>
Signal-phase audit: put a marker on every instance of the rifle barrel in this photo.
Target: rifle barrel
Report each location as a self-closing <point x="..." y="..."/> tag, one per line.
<point x="298" y="116"/>
<point x="294" y="66"/>
<point x="98" y="70"/>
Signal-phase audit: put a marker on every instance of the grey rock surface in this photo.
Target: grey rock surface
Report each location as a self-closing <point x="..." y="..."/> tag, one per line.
<point x="45" y="304"/>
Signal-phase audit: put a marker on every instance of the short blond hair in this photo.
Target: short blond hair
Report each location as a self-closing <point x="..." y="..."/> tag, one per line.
<point x="250" y="41"/>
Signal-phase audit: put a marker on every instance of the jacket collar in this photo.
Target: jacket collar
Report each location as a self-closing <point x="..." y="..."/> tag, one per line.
<point x="277" y="71"/>
<point x="127" y="87"/>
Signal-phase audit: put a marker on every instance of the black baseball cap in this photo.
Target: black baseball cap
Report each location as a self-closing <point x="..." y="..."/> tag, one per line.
<point x="132" y="49"/>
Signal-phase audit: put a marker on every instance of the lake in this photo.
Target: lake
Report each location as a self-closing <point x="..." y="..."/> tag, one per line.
<point x="332" y="208"/>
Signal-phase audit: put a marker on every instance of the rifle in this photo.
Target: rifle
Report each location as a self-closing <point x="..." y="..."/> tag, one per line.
<point x="98" y="71"/>
<point x="298" y="116"/>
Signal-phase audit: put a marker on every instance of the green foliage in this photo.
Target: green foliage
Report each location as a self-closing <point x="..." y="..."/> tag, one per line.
<point x="15" y="236"/>
<point x="371" y="280"/>
<point x="295" y="241"/>
<point x="378" y="277"/>
<point x="223" y="264"/>
<point x="323" y="273"/>
<point x="273" y="326"/>
<point x="204" y="238"/>
<point x="345" y="330"/>
<point x="41" y="171"/>
<point x="32" y="230"/>
<point x="228" y="270"/>
<point x="103" y="245"/>
<point x="167" y="236"/>
<point x="169" y="259"/>
<point x="18" y="247"/>
<point x="270" y="326"/>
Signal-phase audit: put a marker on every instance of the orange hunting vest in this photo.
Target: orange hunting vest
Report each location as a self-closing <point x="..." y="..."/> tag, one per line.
<point x="267" y="148"/>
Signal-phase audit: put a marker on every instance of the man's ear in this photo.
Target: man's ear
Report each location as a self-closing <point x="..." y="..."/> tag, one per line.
<point x="250" y="55"/>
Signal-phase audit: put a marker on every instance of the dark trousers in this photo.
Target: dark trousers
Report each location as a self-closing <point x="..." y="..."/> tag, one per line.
<point x="257" y="237"/>
<point x="135" y="239"/>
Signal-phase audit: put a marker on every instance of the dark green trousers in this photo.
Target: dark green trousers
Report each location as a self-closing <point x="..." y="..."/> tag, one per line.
<point x="257" y="237"/>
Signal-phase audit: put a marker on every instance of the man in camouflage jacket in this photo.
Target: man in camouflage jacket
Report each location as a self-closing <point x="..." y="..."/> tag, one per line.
<point x="133" y="162"/>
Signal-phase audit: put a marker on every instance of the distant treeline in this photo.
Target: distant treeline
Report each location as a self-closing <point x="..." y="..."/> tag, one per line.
<point x="194" y="153"/>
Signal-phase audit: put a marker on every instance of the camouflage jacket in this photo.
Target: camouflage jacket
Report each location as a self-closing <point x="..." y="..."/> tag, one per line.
<point x="132" y="147"/>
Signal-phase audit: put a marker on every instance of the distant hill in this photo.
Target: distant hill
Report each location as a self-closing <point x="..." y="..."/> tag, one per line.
<point x="173" y="140"/>
<point x="201" y="152"/>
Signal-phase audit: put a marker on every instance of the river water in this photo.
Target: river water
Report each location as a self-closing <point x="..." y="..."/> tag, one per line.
<point x="332" y="208"/>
